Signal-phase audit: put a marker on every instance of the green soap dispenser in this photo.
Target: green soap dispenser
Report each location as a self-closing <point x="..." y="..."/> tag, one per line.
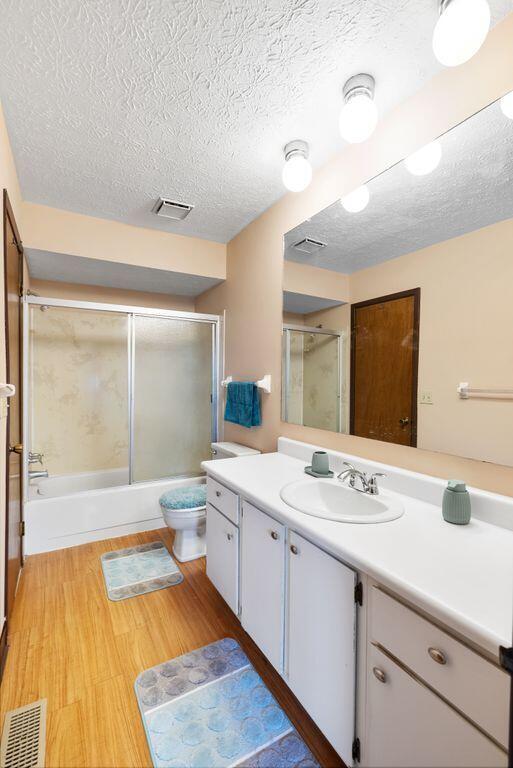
<point x="456" y="503"/>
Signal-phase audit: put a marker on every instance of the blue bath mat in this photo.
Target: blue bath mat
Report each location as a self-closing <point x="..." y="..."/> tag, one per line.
<point x="210" y="709"/>
<point x="138" y="570"/>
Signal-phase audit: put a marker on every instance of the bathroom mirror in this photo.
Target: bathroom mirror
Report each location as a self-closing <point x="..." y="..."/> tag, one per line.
<point x="398" y="301"/>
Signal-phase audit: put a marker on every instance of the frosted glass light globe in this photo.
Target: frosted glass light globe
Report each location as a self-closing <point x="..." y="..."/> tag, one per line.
<point x="357" y="200"/>
<point x="358" y="118"/>
<point x="507" y="105"/>
<point x="461" y="31"/>
<point x="297" y="173"/>
<point x="424" y="160"/>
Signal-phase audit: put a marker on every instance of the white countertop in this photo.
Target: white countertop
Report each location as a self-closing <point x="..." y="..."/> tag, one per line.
<point x="461" y="575"/>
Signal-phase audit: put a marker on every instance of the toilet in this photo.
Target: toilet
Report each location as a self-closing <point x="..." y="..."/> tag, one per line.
<point x="184" y="508"/>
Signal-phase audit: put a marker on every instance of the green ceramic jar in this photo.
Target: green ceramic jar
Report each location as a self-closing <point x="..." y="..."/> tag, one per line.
<point x="456" y="503"/>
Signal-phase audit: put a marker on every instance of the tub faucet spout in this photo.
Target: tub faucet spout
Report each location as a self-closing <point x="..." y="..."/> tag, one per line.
<point x="34" y="474"/>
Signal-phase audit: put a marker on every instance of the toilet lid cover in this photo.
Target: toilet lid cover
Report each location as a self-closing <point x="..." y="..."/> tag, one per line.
<point x="185" y="497"/>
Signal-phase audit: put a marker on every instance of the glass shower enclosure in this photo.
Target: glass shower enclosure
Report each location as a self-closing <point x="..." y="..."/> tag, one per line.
<point x="116" y="395"/>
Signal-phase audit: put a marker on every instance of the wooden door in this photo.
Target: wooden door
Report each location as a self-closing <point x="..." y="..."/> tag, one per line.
<point x="321" y="631"/>
<point x="262" y="581"/>
<point x="384" y="364"/>
<point x="13" y="275"/>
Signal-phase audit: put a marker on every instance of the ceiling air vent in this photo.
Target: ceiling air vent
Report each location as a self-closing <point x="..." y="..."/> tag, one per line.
<point x="171" y="210"/>
<point x="307" y="245"/>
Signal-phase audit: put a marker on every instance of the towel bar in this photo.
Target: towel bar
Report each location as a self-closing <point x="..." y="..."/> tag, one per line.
<point x="263" y="384"/>
<point x="465" y="391"/>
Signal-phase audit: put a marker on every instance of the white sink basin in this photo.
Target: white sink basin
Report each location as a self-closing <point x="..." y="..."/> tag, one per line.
<point x="332" y="500"/>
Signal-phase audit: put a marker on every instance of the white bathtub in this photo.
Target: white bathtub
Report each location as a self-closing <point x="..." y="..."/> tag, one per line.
<point x="91" y="515"/>
<point x="64" y="485"/>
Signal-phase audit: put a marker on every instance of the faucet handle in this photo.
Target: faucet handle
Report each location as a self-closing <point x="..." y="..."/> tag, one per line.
<point x="351" y="466"/>
<point x="373" y="482"/>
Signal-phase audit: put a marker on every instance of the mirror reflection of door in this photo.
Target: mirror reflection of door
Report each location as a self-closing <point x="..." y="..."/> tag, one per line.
<point x="384" y="365"/>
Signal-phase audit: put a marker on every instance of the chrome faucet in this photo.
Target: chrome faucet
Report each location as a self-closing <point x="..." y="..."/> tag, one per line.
<point x="369" y="483"/>
<point x="35" y="458"/>
<point x="35" y="473"/>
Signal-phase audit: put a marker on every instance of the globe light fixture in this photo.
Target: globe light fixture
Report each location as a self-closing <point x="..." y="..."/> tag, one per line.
<point x="356" y="201"/>
<point x="359" y="115"/>
<point x="297" y="171"/>
<point x="460" y="31"/>
<point x="424" y="160"/>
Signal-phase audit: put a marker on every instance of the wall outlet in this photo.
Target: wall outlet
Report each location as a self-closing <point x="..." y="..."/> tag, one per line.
<point x="426" y="398"/>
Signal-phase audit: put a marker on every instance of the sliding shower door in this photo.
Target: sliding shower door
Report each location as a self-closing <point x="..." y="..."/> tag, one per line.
<point x="173" y="385"/>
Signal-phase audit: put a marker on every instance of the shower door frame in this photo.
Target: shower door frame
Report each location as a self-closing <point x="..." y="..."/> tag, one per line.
<point x="286" y="330"/>
<point x="216" y="321"/>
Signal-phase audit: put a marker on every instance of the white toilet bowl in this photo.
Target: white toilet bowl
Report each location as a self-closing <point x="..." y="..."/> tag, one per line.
<point x="184" y="508"/>
<point x="189" y="526"/>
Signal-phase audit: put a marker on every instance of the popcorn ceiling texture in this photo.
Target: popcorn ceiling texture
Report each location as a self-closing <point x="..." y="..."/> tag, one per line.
<point x="110" y="104"/>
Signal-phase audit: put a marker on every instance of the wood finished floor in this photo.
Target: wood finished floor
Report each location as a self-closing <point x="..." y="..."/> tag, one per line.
<point x="80" y="651"/>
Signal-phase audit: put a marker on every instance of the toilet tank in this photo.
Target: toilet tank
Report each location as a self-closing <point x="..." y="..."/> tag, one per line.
<point x="231" y="450"/>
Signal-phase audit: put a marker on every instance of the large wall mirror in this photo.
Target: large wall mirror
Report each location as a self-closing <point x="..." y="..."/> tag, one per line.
<point x="398" y="301"/>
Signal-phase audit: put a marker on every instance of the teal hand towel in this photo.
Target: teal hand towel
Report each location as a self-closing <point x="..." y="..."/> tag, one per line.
<point x="243" y="404"/>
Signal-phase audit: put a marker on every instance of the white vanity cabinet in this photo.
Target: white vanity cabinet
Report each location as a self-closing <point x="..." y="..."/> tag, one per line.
<point x="223" y="556"/>
<point x="263" y="581"/>
<point x="409" y="725"/>
<point x="321" y="640"/>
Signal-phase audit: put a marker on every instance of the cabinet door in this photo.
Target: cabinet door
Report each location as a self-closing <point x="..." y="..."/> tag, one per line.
<point x="262" y="581"/>
<point x="321" y="640"/>
<point x="408" y="725"/>
<point x="223" y="556"/>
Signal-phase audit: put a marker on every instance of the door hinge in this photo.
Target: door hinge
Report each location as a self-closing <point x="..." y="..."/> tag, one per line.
<point x="22" y="527"/>
<point x="506" y="658"/>
<point x="356" y="751"/>
<point x="358" y="593"/>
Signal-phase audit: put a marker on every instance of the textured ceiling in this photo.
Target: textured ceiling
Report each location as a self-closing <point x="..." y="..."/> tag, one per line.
<point x="471" y="188"/>
<point x="110" y="103"/>
<point x="46" y="265"/>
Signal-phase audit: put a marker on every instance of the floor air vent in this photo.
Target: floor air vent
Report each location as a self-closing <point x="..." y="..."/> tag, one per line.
<point x="23" y="737"/>
<point x="308" y="245"/>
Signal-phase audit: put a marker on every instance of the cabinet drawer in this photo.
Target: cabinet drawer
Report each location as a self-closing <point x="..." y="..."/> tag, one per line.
<point x="223" y="499"/>
<point x="474" y="685"/>
<point x="408" y="725"/>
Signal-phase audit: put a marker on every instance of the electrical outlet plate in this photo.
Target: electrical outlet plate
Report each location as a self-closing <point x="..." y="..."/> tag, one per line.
<point x="426" y="398"/>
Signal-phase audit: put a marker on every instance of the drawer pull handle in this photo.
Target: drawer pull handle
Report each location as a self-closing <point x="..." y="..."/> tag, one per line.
<point x="218" y="493"/>
<point x="294" y="549"/>
<point x="229" y="536"/>
<point x="274" y="535"/>
<point x="437" y="655"/>
<point x="379" y="674"/>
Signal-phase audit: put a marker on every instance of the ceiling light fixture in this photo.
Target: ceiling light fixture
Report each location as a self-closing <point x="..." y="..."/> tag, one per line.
<point x="507" y="105"/>
<point x="359" y="115"/>
<point x="424" y="160"/>
<point x="461" y="30"/>
<point x="357" y="200"/>
<point x="297" y="171"/>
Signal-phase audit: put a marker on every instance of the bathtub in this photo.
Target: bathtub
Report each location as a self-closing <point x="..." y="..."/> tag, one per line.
<point x="64" y="485"/>
<point x="67" y="519"/>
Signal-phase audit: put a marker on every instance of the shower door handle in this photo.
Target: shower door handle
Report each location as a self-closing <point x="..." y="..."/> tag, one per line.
<point x="18" y="448"/>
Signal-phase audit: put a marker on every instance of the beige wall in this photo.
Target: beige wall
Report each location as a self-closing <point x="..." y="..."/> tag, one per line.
<point x="303" y="278"/>
<point x="253" y="292"/>
<point x="51" y="229"/>
<point x="76" y="292"/>
<point x="9" y="181"/>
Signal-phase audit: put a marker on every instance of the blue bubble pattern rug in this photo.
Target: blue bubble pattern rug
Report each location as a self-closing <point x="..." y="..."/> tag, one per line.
<point x="138" y="570"/>
<point x="210" y="709"/>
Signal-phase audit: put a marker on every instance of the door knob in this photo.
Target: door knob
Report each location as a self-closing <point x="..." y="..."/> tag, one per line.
<point x="404" y="422"/>
<point x="18" y="448"/>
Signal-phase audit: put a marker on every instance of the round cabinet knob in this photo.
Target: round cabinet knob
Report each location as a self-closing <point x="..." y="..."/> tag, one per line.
<point x="437" y="655"/>
<point x="294" y="549"/>
<point x="229" y="536"/>
<point x="379" y="674"/>
<point x="274" y="535"/>
<point x="218" y="493"/>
